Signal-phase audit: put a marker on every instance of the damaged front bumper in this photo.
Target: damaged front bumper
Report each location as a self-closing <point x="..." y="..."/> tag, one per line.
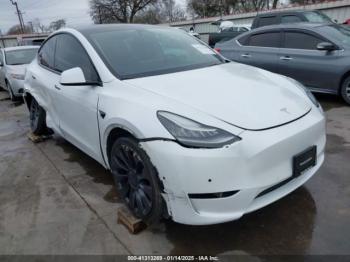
<point x="208" y="186"/>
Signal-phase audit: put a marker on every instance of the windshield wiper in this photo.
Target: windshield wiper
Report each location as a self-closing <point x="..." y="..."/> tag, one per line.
<point x="17" y="64"/>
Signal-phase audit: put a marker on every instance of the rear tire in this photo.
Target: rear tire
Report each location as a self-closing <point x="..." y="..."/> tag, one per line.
<point x="37" y="118"/>
<point x="345" y="90"/>
<point x="136" y="180"/>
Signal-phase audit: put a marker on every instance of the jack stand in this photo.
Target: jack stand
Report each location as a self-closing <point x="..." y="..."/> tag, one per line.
<point x="37" y="139"/>
<point x="133" y="224"/>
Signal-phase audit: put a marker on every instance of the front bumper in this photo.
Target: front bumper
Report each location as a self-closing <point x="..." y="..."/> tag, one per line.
<point x="259" y="161"/>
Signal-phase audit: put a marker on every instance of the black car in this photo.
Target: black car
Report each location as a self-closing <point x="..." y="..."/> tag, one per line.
<point x="317" y="55"/>
<point x="292" y="16"/>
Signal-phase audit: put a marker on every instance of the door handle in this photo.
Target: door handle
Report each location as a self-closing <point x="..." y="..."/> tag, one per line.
<point x="286" y="58"/>
<point x="57" y="87"/>
<point x="33" y="77"/>
<point x="246" y="56"/>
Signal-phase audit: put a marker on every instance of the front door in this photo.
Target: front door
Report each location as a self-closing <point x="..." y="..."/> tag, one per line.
<point x="77" y="105"/>
<point x="300" y="59"/>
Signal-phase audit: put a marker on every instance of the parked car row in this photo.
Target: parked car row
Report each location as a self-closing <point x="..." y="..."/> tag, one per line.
<point x="13" y="61"/>
<point x="228" y="31"/>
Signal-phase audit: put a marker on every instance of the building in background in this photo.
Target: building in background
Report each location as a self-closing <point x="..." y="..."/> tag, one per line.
<point x="23" y="39"/>
<point x="337" y="10"/>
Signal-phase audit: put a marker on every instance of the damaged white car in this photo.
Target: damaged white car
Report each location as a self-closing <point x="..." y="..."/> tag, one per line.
<point x="185" y="133"/>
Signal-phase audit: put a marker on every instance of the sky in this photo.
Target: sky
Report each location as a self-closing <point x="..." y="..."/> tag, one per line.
<point x="76" y="12"/>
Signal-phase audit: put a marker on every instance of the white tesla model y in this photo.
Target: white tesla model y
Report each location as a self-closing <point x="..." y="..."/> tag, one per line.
<point x="185" y="133"/>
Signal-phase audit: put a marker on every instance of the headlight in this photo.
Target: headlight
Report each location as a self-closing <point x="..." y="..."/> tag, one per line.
<point x="193" y="134"/>
<point x="307" y="91"/>
<point x="17" y="76"/>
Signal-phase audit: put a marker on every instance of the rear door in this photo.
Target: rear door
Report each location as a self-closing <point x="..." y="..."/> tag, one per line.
<point x="300" y="59"/>
<point x="42" y="78"/>
<point x="261" y="50"/>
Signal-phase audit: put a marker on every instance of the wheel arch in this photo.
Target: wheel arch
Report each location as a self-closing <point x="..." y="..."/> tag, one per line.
<point x="28" y="98"/>
<point x="113" y="133"/>
<point x="345" y="76"/>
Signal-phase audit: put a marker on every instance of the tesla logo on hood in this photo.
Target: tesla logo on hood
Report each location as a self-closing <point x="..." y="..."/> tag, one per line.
<point x="285" y="110"/>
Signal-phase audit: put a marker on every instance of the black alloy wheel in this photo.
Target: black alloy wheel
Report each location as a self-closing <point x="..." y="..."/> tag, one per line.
<point x="345" y="90"/>
<point x="136" y="179"/>
<point x="37" y="117"/>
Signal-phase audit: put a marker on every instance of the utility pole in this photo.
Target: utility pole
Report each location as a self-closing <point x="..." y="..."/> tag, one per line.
<point x="99" y="14"/>
<point x="31" y="26"/>
<point x="19" y="14"/>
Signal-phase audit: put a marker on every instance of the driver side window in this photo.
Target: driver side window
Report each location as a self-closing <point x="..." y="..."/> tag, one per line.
<point x="46" y="53"/>
<point x="70" y="53"/>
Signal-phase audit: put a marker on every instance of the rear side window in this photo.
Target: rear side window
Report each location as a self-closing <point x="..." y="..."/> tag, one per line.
<point x="46" y="53"/>
<point x="290" y="19"/>
<point x="271" y="39"/>
<point x="70" y="53"/>
<point x="243" y="40"/>
<point x="268" y="20"/>
<point x="1" y="58"/>
<point x="298" y="40"/>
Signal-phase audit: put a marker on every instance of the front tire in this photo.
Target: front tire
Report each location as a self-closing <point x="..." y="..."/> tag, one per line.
<point x="345" y="90"/>
<point x="136" y="180"/>
<point x="37" y="118"/>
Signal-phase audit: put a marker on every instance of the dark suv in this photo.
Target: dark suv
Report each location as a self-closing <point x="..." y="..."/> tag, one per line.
<point x="285" y="17"/>
<point x="317" y="55"/>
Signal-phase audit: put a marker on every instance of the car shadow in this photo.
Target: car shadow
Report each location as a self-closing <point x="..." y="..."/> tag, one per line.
<point x="284" y="227"/>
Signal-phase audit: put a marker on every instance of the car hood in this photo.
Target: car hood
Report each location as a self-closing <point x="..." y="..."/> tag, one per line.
<point x="244" y="96"/>
<point x="17" y="69"/>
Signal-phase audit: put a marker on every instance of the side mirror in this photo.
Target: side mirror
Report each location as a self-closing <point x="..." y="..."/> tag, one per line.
<point x="75" y="77"/>
<point x="326" y="46"/>
<point x="1" y="64"/>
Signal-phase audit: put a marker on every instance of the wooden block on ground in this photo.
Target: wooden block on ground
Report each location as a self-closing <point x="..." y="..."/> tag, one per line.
<point x="133" y="224"/>
<point x="37" y="139"/>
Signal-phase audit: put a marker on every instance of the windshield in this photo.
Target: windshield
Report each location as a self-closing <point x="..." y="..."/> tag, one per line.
<point x="317" y="17"/>
<point x="20" y="57"/>
<point x="339" y="33"/>
<point x="133" y="53"/>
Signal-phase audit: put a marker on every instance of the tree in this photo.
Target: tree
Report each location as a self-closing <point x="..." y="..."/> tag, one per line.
<point x="55" y="25"/>
<point x="254" y="5"/>
<point x="121" y="11"/>
<point x="204" y="8"/>
<point x="151" y="15"/>
<point x="16" y="30"/>
<point x="207" y="8"/>
<point x="39" y="27"/>
<point x="172" y="12"/>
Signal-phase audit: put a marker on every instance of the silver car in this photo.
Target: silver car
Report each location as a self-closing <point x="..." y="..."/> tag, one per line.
<point x="317" y="55"/>
<point x="13" y="61"/>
